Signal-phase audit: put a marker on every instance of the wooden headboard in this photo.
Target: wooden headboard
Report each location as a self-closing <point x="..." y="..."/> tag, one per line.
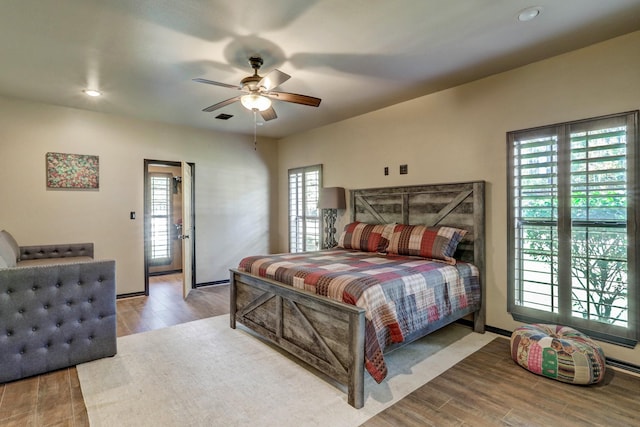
<point x="459" y="205"/>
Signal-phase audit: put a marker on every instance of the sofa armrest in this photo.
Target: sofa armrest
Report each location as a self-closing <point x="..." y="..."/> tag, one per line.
<point x="56" y="251"/>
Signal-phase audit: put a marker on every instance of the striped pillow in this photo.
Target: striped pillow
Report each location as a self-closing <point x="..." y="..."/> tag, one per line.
<point x="437" y="243"/>
<point x="366" y="237"/>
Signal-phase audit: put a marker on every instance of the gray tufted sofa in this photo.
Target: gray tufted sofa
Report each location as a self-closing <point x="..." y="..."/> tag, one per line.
<point x="57" y="309"/>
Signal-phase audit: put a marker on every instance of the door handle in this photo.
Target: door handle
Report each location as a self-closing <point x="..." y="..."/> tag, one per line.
<point x="183" y="236"/>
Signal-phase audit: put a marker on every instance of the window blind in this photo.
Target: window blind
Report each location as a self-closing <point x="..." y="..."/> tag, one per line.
<point x="304" y="220"/>
<point x="160" y="217"/>
<point x="572" y="233"/>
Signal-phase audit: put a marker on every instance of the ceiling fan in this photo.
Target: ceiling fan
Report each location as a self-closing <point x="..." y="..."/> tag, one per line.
<point x="258" y="91"/>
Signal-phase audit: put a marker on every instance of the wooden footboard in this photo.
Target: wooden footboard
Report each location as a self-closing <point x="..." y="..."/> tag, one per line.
<point x="326" y="334"/>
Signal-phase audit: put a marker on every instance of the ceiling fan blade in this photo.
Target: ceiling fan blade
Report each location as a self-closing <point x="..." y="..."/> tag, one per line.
<point x="211" y="82"/>
<point x="269" y="114"/>
<point x="222" y="104"/>
<point x="295" y="98"/>
<point x="273" y="78"/>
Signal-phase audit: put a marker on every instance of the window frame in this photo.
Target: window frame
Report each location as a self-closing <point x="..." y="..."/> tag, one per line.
<point x="300" y="204"/>
<point x="630" y="335"/>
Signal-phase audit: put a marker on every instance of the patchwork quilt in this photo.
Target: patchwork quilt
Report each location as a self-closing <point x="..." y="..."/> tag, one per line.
<point x="400" y="294"/>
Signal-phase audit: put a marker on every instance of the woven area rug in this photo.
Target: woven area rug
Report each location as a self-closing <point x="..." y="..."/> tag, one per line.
<point x="204" y="373"/>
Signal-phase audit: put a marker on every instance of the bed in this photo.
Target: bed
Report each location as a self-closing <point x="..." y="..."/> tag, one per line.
<point x="286" y="307"/>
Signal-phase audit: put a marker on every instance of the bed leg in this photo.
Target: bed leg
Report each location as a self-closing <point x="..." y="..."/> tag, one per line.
<point x="479" y="321"/>
<point x="232" y="301"/>
<point x="355" y="388"/>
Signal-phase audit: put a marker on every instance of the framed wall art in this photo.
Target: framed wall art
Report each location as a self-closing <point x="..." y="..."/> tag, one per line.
<point x="76" y="171"/>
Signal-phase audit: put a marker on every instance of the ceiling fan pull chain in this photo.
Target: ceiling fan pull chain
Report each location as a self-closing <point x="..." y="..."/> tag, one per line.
<point x="255" y="125"/>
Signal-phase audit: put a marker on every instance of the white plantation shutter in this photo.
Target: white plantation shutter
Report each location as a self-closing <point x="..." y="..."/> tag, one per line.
<point x="304" y="219"/>
<point x="536" y="237"/>
<point x="572" y="234"/>
<point x="599" y="222"/>
<point x="160" y="192"/>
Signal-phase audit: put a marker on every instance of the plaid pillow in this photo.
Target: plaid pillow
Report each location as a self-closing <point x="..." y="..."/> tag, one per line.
<point x="366" y="237"/>
<point x="437" y="243"/>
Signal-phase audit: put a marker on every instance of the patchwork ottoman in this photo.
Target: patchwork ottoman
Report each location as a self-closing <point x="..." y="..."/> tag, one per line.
<point x="558" y="352"/>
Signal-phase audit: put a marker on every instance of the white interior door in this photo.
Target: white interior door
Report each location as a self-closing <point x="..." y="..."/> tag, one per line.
<point x="187" y="230"/>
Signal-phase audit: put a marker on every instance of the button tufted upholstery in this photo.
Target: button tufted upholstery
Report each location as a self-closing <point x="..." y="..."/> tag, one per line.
<point x="56" y="251"/>
<point x="55" y="316"/>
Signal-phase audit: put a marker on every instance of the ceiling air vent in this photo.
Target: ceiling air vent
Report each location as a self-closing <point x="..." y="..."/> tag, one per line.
<point x="223" y="116"/>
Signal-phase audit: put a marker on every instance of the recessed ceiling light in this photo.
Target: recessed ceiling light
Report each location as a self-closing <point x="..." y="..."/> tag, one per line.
<point x="529" y="13"/>
<point x="91" y="92"/>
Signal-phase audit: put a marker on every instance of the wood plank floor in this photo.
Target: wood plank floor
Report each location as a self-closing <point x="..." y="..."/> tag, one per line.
<point x="485" y="389"/>
<point x="55" y="398"/>
<point x="489" y="389"/>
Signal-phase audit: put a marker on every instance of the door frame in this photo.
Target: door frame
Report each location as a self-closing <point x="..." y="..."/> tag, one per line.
<point x="147" y="216"/>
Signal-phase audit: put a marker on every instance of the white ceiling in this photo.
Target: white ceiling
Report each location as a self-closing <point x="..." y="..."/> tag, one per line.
<point x="357" y="55"/>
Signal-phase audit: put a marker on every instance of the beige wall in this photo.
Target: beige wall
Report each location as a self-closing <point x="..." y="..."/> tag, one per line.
<point x="459" y="135"/>
<point x="234" y="186"/>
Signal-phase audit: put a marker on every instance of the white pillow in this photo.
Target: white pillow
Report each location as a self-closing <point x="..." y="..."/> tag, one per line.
<point x="7" y="253"/>
<point x="12" y="242"/>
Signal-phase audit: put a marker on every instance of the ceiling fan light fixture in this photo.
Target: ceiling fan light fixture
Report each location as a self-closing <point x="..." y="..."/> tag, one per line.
<point x="255" y="102"/>
<point x="92" y="92"/>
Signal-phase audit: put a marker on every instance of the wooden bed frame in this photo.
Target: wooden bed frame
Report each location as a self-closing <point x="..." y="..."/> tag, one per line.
<point x="329" y="335"/>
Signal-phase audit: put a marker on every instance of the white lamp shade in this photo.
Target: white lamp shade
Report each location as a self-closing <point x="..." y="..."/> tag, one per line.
<point x="255" y="102"/>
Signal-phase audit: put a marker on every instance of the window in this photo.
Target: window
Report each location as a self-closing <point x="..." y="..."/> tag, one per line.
<point x="304" y="219"/>
<point x="160" y="218"/>
<point x="573" y="194"/>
